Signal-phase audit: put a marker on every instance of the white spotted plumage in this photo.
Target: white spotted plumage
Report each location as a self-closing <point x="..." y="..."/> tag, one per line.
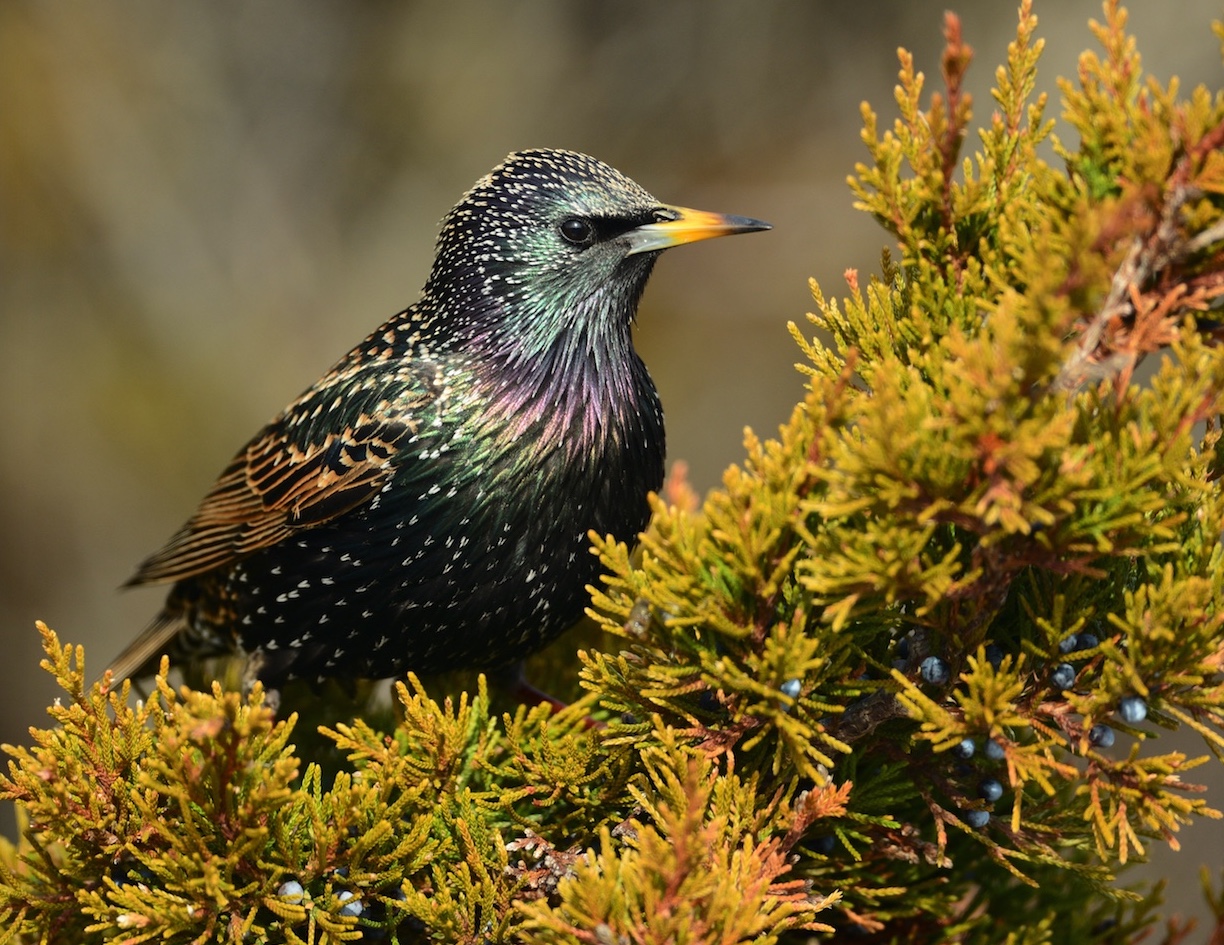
<point x="426" y="504"/>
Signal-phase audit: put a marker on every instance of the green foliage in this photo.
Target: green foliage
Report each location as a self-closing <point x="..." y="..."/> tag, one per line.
<point x="978" y="487"/>
<point x="183" y="820"/>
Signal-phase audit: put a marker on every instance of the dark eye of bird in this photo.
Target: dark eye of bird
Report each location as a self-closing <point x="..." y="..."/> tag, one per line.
<point x="578" y="231"/>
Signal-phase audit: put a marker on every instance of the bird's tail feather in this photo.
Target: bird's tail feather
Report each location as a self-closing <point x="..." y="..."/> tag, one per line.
<point x="143" y="655"/>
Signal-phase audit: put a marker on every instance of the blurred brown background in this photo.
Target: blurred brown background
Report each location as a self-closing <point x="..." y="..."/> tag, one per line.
<point x="202" y="205"/>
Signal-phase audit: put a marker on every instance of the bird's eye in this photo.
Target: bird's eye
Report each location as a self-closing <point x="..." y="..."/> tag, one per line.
<point x="578" y="231"/>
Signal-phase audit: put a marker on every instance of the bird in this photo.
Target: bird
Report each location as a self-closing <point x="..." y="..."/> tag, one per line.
<point x="426" y="504"/>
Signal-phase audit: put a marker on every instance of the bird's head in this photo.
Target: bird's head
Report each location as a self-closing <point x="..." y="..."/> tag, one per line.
<point x="553" y="243"/>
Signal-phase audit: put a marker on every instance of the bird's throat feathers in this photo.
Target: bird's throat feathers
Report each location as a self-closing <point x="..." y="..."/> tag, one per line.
<point x="566" y="373"/>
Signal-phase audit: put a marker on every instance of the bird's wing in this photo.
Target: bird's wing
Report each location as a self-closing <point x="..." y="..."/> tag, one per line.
<point x="294" y="474"/>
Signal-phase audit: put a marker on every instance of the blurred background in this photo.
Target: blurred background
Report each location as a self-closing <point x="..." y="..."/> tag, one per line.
<point x="203" y="205"/>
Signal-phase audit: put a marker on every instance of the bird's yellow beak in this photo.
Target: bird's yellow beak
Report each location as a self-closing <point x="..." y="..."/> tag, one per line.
<point x="678" y="225"/>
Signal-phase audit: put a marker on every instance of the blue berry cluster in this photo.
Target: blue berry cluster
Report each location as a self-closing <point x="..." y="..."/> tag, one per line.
<point x="1077" y="642"/>
<point x="1062" y="676"/>
<point x="351" y="903"/>
<point x="989" y="788"/>
<point x="1131" y="709"/>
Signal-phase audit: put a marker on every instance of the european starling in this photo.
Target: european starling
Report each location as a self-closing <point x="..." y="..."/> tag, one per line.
<point x="426" y="504"/>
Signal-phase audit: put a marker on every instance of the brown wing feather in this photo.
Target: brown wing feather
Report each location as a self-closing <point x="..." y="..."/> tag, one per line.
<point x="275" y="487"/>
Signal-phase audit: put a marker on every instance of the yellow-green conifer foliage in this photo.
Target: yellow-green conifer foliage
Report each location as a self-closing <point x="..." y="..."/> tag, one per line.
<point x="901" y="677"/>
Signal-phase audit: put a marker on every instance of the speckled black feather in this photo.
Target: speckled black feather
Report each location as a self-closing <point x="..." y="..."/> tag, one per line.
<point x="426" y="504"/>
